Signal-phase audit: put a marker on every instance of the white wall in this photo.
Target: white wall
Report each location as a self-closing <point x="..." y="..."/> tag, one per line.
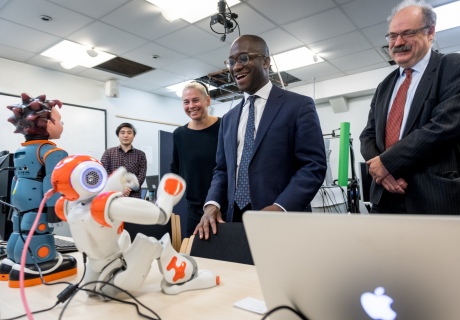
<point x="18" y="77"/>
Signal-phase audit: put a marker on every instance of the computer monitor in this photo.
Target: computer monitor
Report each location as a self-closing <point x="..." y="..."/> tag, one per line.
<point x="152" y="183"/>
<point x="6" y="177"/>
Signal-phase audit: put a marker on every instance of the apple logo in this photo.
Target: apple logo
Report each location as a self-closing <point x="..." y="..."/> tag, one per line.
<point x="378" y="305"/>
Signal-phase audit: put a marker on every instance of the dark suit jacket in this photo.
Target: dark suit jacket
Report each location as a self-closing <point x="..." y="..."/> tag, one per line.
<point x="288" y="164"/>
<point x="428" y="154"/>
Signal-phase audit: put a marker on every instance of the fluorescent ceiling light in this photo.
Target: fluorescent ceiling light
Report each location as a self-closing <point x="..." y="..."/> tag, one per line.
<point x="188" y="10"/>
<point x="294" y="59"/>
<point x="447" y="16"/>
<point x="72" y="54"/>
<point x="179" y="87"/>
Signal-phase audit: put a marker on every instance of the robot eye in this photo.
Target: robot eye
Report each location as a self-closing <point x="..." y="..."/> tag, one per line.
<point x="92" y="178"/>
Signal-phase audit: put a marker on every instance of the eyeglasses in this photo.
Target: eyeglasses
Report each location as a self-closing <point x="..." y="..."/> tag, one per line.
<point x="406" y="34"/>
<point x="243" y="59"/>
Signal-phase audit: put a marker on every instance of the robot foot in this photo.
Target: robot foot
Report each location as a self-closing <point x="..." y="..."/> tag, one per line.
<point x="205" y="279"/>
<point x="5" y="269"/>
<point x="60" y="267"/>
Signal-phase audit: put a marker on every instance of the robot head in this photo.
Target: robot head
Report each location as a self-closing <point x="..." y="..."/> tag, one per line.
<point x="79" y="177"/>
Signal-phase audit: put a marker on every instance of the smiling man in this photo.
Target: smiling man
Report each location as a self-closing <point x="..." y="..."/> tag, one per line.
<point x="412" y="138"/>
<point x="270" y="153"/>
<point x="126" y="155"/>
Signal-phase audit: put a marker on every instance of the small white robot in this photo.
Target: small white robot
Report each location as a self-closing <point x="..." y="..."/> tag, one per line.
<point x="95" y="210"/>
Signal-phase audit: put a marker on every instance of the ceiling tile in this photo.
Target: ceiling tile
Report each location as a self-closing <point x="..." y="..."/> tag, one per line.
<point x="144" y="55"/>
<point x="161" y="77"/>
<point x="357" y="60"/>
<point x="190" y="68"/>
<point x="139" y="85"/>
<point x="216" y="57"/>
<point x="320" y="27"/>
<point x="376" y="34"/>
<point x="100" y="75"/>
<point x="107" y="38"/>
<point x="49" y="63"/>
<point x="450" y="49"/>
<point x="25" y="38"/>
<point x="27" y="13"/>
<point x="91" y="8"/>
<point x="368" y="68"/>
<point x="15" y="54"/>
<point x="342" y="45"/>
<point x="143" y="19"/>
<point x="278" y="40"/>
<point x="287" y="11"/>
<point x="448" y="38"/>
<point x="314" y="71"/>
<point x="191" y="40"/>
<point x="365" y="13"/>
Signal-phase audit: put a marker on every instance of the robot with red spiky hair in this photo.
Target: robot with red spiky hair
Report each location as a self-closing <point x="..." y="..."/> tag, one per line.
<point x="39" y="121"/>
<point x="95" y="209"/>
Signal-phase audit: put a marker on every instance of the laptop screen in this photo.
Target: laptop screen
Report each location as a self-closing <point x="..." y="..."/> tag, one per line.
<point x="342" y="267"/>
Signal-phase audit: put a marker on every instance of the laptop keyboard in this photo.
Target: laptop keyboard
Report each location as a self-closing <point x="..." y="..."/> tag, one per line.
<point x="64" y="245"/>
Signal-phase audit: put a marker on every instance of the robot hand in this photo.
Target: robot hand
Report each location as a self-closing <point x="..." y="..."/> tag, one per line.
<point x="170" y="191"/>
<point x="121" y="179"/>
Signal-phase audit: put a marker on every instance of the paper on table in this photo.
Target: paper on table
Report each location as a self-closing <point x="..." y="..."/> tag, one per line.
<point x="252" y="304"/>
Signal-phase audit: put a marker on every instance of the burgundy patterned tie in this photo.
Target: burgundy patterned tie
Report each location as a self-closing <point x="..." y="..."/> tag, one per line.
<point x="393" y="128"/>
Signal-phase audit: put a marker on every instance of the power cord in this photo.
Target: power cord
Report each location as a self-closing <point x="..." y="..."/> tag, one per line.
<point x="298" y="313"/>
<point x="63" y="296"/>
<point x="135" y="304"/>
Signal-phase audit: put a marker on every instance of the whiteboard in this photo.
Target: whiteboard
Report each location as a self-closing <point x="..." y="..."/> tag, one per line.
<point x="84" y="128"/>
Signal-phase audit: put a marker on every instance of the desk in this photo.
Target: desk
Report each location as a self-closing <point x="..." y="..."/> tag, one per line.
<point x="238" y="281"/>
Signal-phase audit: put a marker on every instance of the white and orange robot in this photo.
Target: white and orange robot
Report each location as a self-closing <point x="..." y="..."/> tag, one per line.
<point x="95" y="210"/>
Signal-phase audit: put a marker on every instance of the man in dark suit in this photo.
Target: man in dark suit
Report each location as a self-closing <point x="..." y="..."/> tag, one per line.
<point x="415" y="161"/>
<point x="287" y="163"/>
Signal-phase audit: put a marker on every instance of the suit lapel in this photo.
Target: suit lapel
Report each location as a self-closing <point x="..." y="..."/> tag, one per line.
<point x="423" y="90"/>
<point x="233" y="129"/>
<point x="274" y="103"/>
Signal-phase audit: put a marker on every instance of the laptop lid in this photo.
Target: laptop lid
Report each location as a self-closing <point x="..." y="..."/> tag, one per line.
<point x="338" y="267"/>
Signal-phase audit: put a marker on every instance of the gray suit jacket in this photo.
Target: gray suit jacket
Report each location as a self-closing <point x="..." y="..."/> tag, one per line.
<point x="428" y="154"/>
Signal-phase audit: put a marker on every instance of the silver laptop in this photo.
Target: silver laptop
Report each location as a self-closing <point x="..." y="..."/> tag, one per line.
<point x="339" y="267"/>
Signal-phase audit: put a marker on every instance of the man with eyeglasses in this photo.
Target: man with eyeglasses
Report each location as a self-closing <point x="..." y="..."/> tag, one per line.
<point x="270" y="152"/>
<point x="412" y="138"/>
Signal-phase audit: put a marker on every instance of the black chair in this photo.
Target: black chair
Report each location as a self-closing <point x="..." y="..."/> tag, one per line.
<point x="229" y="244"/>
<point x="158" y="231"/>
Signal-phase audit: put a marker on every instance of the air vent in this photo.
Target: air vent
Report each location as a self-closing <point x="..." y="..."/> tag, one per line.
<point x="227" y="89"/>
<point x="385" y="53"/>
<point x="124" y="67"/>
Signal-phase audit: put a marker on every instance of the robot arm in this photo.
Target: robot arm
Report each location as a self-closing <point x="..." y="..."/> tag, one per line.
<point x="109" y="209"/>
<point x="121" y="178"/>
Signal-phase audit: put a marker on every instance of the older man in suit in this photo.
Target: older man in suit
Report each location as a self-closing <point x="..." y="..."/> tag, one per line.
<point x="412" y="138"/>
<point x="270" y="153"/>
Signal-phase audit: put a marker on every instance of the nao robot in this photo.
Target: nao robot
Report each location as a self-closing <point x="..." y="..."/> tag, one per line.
<point x="39" y="121"/>
<point x="95" y="209"/>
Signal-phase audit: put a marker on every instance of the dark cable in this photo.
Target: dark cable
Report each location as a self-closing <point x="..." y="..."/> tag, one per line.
<point x="135" y="304"/>
<point x="300" y="315"/>
<point x="35" y="312"/>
